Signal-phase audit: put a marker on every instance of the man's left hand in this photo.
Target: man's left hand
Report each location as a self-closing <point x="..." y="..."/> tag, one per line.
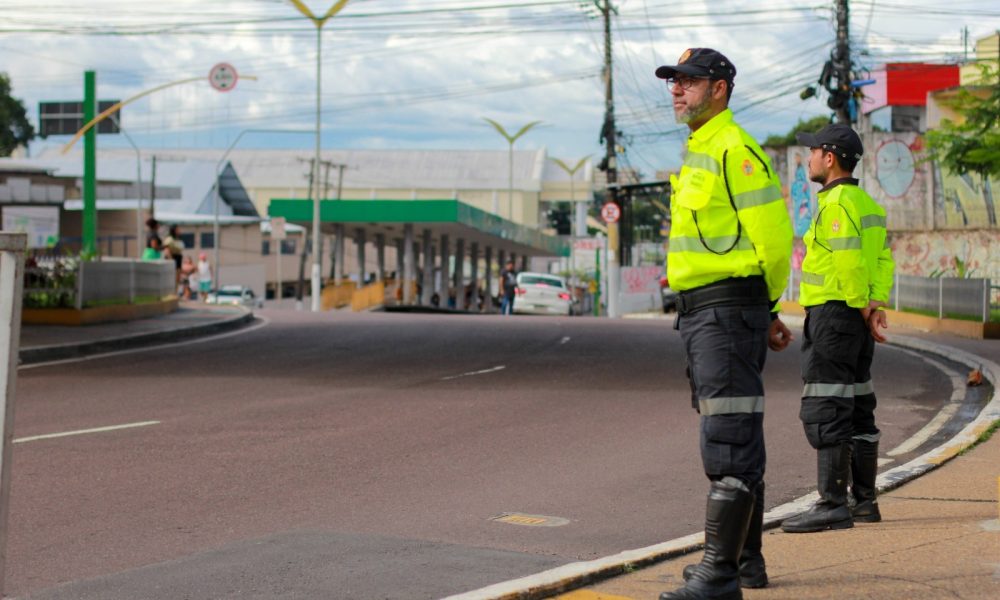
<point x="778" y="336"/>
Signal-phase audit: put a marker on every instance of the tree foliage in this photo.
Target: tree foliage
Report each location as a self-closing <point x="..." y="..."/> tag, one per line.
<point x="15" y="129"/>
<point x="973" y="144"/>
<point x="783" y="141"/>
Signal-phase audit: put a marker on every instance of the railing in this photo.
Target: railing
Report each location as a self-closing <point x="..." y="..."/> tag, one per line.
<point x="944" y="297"/>
<point x="12" y="248"/>
<point x="67" y="282"/>
<point x="371" y="295"/>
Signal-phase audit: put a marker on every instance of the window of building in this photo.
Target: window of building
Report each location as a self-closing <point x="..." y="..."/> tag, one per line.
<point x="207" y="239"/>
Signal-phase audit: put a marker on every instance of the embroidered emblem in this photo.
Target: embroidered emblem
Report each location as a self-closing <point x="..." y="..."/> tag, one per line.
<point x="835" y="226"/>
<point x="684" y="57"/>
<point x="747" y="167"/>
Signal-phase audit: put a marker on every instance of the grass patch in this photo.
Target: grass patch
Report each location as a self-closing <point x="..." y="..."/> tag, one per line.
<point x="983" y="437"/>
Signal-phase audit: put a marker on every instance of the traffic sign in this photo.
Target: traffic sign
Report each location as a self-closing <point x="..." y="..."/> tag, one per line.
<point x="277" y="228"/>
<point x="223" y="77"/>
<point x="610" y="212"/>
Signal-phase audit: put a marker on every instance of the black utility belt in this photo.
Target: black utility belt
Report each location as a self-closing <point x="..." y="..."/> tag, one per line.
<point x="735" y="291"/>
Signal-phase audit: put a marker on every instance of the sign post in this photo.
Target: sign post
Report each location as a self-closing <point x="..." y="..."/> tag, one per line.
<point x="278" y="235"/>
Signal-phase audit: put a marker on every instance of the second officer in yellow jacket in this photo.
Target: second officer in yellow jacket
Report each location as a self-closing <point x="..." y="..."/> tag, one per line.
<point x="846" y="280"/>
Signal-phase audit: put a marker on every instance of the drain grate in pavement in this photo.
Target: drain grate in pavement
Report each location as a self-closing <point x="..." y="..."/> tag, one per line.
<point x="529" y="520"/>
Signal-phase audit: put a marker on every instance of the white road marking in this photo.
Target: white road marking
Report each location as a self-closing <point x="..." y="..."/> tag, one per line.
<point x="49" y="436"/>
<point x="264" y="323"/>
<point x="564" y="340"/>
<point x="470" y="373"/>
<point x="946" y="412"/>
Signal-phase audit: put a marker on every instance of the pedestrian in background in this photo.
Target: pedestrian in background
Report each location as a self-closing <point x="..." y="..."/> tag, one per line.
<point x="204" y="276"/>
<point x="729" y="259"/>
<point x="508" y="288"/>
<point x="188" y="271"/>
<point x="846" y="279"/>
<point x="173" y="247"/>
<point x="153" y="250"/>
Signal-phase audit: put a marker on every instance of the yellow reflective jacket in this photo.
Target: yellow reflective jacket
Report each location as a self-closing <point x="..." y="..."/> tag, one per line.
<point x="847" y="254"/>
<point x="728" y="218"/>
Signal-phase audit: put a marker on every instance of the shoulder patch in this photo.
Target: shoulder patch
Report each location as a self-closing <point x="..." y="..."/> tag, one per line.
<point x="747" y="167"/>
<point x="835" y="226"/>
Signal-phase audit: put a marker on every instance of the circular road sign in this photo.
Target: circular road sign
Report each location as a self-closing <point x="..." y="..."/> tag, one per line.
<point x="611" y="213"/>
<point x="223" y="77"/>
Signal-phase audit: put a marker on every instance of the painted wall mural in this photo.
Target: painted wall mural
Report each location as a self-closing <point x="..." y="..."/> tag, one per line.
<point x="965" y="201"/>
<point x="948" y="253"/>
<point x="898" y="178"/>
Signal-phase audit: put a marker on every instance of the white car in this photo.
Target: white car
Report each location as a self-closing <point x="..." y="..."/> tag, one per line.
<point x="542" y="294"/>
<point x="234" y="294"/>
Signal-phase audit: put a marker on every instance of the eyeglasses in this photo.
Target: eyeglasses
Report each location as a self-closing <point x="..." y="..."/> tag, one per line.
<point x="685" y="83"/>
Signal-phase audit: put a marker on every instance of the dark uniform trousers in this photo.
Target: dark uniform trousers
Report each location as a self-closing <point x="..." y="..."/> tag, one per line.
<point x="838" y="401"/>
<point x="726" y="349"/>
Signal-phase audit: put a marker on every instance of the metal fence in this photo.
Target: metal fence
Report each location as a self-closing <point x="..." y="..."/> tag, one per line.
<point x="945" y="297"/>
<point x="67" y="282"/>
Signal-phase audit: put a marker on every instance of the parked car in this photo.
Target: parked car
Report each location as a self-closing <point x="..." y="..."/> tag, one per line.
<point x="667" y="295"/>
<point x="543" y="294"/>
<point x="235" y="294"/>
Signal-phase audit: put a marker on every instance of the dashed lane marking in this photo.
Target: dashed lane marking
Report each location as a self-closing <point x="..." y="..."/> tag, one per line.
<point x="49" y="436"/>
<point x="530" y="520"/>
<point x="471" y="373"/>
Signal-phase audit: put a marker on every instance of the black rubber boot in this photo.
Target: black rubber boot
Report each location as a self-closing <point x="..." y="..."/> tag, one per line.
<point x="831" y="512"/>
<point x="864" y="468"/>
<point x="753" y="573"/>
<point x="727" y="517"/>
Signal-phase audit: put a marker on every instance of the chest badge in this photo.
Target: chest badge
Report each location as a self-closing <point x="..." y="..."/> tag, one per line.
<point x="747" y="167"/>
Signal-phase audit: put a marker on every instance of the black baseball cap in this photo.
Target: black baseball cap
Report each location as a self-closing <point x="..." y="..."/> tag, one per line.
<point x="700" y="62"/>
<point x="837" y="138"/>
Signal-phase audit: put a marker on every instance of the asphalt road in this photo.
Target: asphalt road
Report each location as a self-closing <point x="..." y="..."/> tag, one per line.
<point x="367" y="456"/>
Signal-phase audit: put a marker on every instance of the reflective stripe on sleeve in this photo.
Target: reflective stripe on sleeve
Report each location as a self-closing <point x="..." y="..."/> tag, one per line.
<point x="828" y="390"/>
<point x="813" y="278"/>
<point x="725" y="405"/>
<point x="845" y="243"/>
<point x="697" y="160"/>
<point x="873" y="221"/>
<point x="757" y="197"/>
<point x="868" y="437"/>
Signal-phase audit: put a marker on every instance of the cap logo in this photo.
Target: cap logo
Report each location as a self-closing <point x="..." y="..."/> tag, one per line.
<point x="684" y="57"/>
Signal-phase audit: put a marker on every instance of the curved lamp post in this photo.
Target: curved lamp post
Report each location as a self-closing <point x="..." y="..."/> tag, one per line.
<point x="510" y="158"/>
<point x="572" y="192"/>
<point x="315" y="282"/>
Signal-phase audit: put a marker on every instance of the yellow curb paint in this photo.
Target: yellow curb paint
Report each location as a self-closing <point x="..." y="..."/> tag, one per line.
<point x="589" y="595"/>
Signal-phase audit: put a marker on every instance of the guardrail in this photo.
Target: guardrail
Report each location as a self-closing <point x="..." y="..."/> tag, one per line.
<point x="12" y="249"/>
<point x="67" y="282"/>
<point x="945" y="297"/>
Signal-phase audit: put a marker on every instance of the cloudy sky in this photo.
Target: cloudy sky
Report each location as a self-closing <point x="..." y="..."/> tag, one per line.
<point x="424" y="73"/>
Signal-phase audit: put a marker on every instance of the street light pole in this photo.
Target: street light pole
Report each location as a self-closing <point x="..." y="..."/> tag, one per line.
<point x="218" y="195"/>
<point x="316" y="283"/>
<point x="510" y="158"/>
<point x="581" y="215"/>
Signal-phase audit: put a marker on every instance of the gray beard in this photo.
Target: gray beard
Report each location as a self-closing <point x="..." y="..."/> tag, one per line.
<point x="693" y="112"/>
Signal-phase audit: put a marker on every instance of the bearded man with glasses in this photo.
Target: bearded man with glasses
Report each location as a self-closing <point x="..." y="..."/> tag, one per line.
<point x="729" y="259"/>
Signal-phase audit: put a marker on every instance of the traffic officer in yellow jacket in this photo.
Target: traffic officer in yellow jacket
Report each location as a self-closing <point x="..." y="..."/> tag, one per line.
<point x="729" y="259"/>
<point x="846" y="280"/>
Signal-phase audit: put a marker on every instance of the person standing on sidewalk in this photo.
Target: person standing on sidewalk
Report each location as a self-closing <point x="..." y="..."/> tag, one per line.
<point x="508" y="288"/>
<point x="729" y="259"/>
<point x="846" y="279"/>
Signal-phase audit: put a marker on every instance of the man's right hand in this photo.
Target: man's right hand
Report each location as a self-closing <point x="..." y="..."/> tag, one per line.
<point x="778" y="336"/>
<point x="877" y="320"/>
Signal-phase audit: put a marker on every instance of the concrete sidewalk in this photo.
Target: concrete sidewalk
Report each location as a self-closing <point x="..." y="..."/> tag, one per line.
<point x="40" y="343"/>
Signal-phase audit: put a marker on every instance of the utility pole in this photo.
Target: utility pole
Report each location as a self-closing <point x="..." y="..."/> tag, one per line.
<point x="842" y="63"/>
<point x="609" y="134"/>
<point x="300" y="292"/>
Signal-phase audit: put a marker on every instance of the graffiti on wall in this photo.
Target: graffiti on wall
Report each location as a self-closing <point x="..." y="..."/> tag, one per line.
<point x="948" y="253"/>
<point x="801" y="192"/>
<point x="965" y="201"/>
<point x="896" y="175"/>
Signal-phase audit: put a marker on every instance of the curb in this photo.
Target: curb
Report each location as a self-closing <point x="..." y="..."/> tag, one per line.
<point x="578" y="574"/>
<point x="39" y="354"/>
